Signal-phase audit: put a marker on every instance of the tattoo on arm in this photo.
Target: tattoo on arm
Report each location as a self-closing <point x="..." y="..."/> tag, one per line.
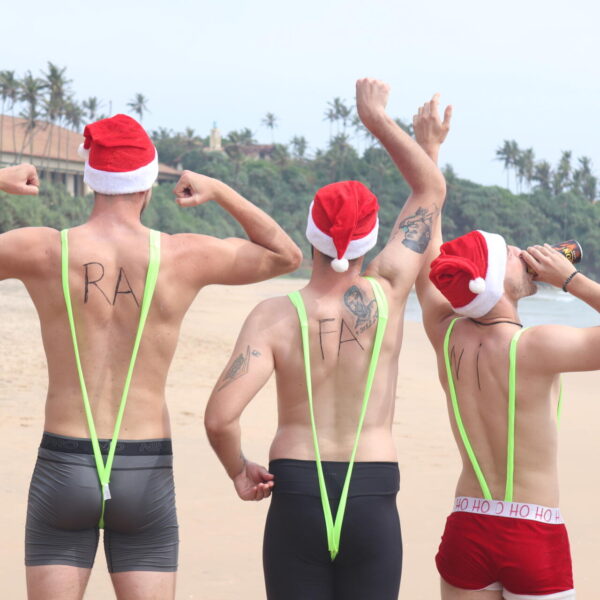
<point x="366" y="312"/>
<point x="417" y="229"/>
<point x="238" y="368"/>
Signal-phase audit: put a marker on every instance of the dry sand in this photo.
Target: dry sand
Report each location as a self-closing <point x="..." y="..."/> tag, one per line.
<point x="221" y="536"/>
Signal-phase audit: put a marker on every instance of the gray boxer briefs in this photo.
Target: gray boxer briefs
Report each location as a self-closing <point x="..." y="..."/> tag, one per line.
<point x="65" y="501"/>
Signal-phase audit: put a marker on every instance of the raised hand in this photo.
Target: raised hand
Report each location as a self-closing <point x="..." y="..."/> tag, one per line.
<point x="253" y="482"/>
<point x="430" y="130"/>
<point x="549" y="265"/>
<point x="371" y="100"/>
<point x="193" y="189"/>
<point x="21" y="180"/>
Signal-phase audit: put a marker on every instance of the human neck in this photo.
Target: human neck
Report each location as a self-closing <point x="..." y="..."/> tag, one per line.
<point x="504" y="312"/>
<point x="113" y="210"/>
<point x="325" y="280"/>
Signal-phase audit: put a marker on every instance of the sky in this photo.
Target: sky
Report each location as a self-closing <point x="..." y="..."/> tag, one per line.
<point x="518" y="69"/>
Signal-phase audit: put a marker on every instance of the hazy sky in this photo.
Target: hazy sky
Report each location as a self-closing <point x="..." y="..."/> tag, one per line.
<point x="516" y="69"/>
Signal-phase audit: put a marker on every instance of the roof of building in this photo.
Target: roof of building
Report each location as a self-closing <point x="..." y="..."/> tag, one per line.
<point x="47" y="141"/>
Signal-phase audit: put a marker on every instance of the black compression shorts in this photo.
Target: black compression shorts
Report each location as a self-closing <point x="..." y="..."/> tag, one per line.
<point x="297" y="563"/>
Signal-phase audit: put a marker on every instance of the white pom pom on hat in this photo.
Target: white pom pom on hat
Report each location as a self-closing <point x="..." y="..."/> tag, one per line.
<point x="477" y="286"/>
<point x="340" y="265"/>
<point x="83" y="152"/>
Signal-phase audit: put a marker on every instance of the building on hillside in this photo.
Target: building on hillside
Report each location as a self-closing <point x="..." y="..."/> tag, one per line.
<point x="53" y="151"/>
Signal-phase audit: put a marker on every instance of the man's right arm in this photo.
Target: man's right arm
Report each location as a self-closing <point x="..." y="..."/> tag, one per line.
<point x="557" y="348"/>
<point x="19" y="247"/>
<point x="268" y="252"/>
<point x="400" y="261"/>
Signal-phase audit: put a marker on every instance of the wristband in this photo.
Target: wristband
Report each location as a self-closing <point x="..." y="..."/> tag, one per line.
<point x="568" y="280"/>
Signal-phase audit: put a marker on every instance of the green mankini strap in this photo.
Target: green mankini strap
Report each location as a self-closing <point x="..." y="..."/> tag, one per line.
<point x="512" y="395"/>
<point x="334" y="528"/>
<point x="151" y="278"/>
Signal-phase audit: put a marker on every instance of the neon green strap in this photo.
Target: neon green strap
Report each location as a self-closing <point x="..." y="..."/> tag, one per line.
<point x="334" y="528"/>
<point x="104" y="470"/>
<point x="512" y="402"/>
<point x="459" y="422"/>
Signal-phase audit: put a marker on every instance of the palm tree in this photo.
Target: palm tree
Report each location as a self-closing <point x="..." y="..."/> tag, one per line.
<point x="91" y="106"/>
<point x="11" y="89"/>
<point x="56" y="83"/>
<point x="74" y="114"/>
<point x="524" y="164"/>
<point x="584" y="182"/>
<point x="332" y="114"/>
<point x="504" y="154"/>
<point x="270" y="122"/>
<point x="562" y="175"/>
<point x="299" y="144"/>
<point x="139" y="105"/>
<point x="542" y="174"/>
<point x="31" y="88"/>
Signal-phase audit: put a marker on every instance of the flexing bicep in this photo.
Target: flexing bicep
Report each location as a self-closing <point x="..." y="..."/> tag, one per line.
<point x="23" y="250"/>
<point x="406" y="250"/>
<point x="561" y="349"/>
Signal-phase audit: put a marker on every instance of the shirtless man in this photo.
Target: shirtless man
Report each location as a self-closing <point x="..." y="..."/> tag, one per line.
<point x="106" y="260"/>
<point x="506" y="537"/>
<point x="304" y="555"/>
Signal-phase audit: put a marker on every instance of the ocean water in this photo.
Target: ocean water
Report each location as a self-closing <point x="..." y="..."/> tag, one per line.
<point x="549" y="306"/>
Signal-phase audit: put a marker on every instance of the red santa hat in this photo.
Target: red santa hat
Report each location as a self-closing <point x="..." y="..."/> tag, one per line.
<point x="342" y="222"/>
<point x="470" y="272"/>
<point x="120" y="157"/>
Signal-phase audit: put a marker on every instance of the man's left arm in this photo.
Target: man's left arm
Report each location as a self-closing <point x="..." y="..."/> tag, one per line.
<point x="247" y="371"/>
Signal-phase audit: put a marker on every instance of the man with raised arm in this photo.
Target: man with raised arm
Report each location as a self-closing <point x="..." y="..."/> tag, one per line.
<point x="109" y="292"/>
<point x="333" y="530"/>
<point x="505" y="538"/>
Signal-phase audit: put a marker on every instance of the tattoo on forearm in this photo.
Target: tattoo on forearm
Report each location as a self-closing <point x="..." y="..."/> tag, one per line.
<point x="119" y="288"/>
<point x="322" y="333"/>
<point x="366" y="313"/>
<point x="417" y="229"/>
<point x="343" y="340"/>
<point x="238" y="368"/>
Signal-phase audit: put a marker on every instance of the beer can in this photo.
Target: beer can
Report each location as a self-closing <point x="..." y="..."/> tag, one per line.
<point x="571" y="250"/>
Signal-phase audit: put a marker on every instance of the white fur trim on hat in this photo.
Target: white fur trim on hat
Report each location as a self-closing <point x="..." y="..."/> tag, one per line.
<point x="129" y="182"/>
<point x="324" y="242"/>
<point x="494" y="279"/>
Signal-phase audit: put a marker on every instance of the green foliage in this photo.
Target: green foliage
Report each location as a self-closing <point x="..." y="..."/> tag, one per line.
<point x="285" y="187"/>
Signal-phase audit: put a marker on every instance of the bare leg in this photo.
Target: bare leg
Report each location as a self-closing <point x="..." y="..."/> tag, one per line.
<point x="56" y="582"/>
<point x="449" y="592"/>
<point x="144" y="585"/>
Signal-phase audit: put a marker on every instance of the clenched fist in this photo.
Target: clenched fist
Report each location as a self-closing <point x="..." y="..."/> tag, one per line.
<point x="21" y="180"/>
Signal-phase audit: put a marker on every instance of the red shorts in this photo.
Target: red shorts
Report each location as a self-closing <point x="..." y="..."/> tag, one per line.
<point x="525" y="556"/>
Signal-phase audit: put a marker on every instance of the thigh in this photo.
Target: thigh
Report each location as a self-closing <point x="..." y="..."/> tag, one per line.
<point x="369" y="564"/>
<point x="144" y="585"/>
<point x="450" y="592"/>
<point x="56" y="582"/>
<point x="296" y="562"/>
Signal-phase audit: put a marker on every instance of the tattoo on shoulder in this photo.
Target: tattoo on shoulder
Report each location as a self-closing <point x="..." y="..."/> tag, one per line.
<point x="365" y="311"/>
<point x="238" y="368"/>
<point x="417" y="229"/>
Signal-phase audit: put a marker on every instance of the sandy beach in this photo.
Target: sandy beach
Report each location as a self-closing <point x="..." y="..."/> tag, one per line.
<point x="221" y="536"/>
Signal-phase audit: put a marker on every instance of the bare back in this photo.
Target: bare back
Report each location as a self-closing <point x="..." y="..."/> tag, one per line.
<point x="342" y="324"/>
<point x="107" y="277"/>
<point x="479" y="356"/>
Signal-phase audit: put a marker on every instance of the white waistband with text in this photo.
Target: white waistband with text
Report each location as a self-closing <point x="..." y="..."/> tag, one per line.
<point x="515" y="510"/>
